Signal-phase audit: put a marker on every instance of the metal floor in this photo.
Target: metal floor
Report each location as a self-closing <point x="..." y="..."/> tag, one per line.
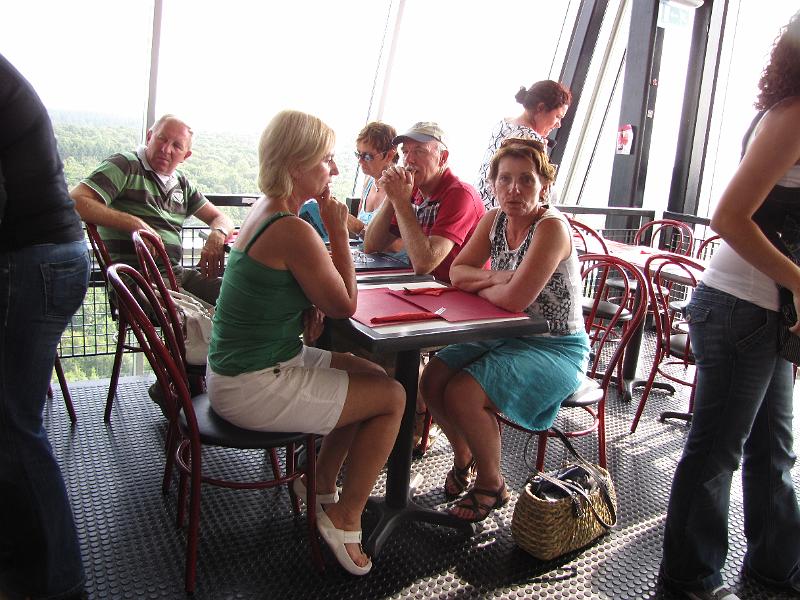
<point x="253" y="547"/>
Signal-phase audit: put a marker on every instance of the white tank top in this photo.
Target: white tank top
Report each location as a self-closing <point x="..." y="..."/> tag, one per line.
<point x="730" y="273"/>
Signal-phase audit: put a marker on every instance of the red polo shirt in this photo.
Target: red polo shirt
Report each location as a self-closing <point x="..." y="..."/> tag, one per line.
<point x="452" y="212"/>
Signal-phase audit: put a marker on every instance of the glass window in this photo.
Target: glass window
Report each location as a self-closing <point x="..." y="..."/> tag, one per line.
<point x="228" y="72"/>
<point x="749" y="38"/>
<point x="460" y="63"/>
<point x="89" y="61"/>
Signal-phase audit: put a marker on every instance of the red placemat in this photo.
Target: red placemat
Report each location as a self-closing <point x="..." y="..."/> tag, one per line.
<point x="379" y="302"/>
<point x="459" y="305"/>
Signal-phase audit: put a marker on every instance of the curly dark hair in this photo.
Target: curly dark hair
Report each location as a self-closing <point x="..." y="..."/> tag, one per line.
<point x="548" y="92"/>
<point x="531" y="150"/>
<point x="781" y="77"/>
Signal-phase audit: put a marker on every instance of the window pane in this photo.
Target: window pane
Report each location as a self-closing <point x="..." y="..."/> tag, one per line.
<point x="90" y="72"/>
<point x="239" y="66"/>
<point x="460" y="63"/>
<point x="749" y="36"/>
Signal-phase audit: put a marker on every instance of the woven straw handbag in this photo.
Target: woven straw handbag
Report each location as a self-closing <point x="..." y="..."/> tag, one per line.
<point x="564" y="510"/>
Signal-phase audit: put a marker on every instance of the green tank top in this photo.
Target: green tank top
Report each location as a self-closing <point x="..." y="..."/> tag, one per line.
<point x="258" y="320"/>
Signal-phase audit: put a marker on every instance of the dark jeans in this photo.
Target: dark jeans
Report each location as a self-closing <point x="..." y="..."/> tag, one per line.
<point x="743" y="410"/>
<point x="41" y="287"/>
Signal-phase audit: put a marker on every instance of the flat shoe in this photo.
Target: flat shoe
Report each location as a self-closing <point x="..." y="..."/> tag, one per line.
<point x="300" y="491"/>
<point x="336" y="539"/>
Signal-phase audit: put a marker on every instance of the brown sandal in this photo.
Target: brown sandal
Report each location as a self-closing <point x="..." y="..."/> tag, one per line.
<point x="459" y="479"/>
<point x="480" y="510"/>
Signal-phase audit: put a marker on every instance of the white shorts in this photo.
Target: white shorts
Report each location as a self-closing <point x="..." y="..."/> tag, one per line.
<point x="303" y="394"/>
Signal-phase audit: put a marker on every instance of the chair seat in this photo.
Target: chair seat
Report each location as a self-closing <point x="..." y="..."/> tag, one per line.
<point x="587" y="394"/>
<point x="605" y="309"/>
<point x="216" y="431"/>
<point x="677" y="347"/>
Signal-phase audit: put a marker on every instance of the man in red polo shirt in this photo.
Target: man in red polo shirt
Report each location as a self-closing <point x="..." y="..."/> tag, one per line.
<point x="427" y="206"/>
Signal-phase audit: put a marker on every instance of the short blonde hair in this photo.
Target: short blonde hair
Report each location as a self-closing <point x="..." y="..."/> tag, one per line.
<point x="292" y="140"/>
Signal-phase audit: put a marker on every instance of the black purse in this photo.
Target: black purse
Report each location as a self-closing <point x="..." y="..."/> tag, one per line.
<point x="564" y="510"/>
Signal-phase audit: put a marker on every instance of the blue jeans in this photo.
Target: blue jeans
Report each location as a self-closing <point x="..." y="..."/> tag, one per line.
<point x="41" y="287"/>
<point x="743" y="410"/>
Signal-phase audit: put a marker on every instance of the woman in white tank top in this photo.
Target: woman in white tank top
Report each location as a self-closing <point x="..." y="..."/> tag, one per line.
<point x="743" y="401"/>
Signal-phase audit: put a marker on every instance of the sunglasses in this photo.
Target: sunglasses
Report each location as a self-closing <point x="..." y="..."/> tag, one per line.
<point x="367" y="157"/>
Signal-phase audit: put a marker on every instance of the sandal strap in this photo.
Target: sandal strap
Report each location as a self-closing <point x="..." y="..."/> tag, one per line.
<point x="460" y="477"/>
<point x="471" y="502"/>
<point x="351" y="537"/>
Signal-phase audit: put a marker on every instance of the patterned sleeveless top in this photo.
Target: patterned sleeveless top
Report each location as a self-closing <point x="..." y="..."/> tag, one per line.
<point x="560" y="300"/>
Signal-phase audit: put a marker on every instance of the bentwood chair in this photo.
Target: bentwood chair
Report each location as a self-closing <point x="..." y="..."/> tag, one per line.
<point x="195" y="424"/>
<point x="670" y="281"/>
<point x="103" y="260"/>
<point x="666" y="234"/>
<point x="62" y="382"/>
<point x="586" y="238"/>
<point x="607" y="350"/>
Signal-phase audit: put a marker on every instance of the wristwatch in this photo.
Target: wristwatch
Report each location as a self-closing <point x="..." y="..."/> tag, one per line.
<point x="222" y="231"/>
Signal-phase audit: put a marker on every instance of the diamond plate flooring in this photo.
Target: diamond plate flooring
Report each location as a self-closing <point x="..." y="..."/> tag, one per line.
<point x="252" y="546"/>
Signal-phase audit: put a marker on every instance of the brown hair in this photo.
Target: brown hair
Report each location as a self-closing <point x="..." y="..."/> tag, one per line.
<point x="379" y="135"/>
<point x="550" y="93"/>
<point x="781" y="77"/>
<point x="531" y="150"/>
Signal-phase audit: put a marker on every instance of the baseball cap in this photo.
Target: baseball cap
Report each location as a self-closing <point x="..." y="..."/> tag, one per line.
<point x="424" y="131"/>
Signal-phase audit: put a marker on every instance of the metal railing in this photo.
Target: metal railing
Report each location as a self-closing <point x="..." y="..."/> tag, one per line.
<point x="93" y="331"/>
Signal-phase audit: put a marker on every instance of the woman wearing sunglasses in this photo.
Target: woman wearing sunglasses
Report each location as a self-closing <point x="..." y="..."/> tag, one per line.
<point x="375" y="152"/>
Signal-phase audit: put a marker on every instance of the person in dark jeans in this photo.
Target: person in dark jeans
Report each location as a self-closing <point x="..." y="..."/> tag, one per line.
<point x="44" y="272"/>
<point x="744" y="396"/>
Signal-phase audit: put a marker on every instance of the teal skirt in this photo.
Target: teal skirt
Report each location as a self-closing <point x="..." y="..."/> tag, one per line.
<point x="528" y="378"/>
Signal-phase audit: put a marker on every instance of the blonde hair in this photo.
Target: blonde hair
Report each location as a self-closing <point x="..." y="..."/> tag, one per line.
<point x="292" y="140"/>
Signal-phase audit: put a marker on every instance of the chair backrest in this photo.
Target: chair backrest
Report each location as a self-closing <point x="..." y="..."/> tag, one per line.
<point x="629" y="308"/>
<point x="671" y="279"/>
<point x="144" y="242"/>
<point x="99" y="249"/>
<point x="706" y="247"/>
<point x="587" y="238"/>
<point x="668" y="234"/>
<point x="138" y="303"/>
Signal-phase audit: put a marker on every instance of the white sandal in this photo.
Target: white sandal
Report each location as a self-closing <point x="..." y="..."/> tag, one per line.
<point x="300" y="491"/>
<point x="336" y="539"/>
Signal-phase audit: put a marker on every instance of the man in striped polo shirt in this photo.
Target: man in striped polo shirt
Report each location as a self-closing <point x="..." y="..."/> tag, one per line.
<point x="144" y="190"/>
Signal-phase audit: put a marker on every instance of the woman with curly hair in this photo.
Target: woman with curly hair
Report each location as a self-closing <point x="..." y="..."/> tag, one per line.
<point x="743" y="401"/>
<point x="544" y="105"/>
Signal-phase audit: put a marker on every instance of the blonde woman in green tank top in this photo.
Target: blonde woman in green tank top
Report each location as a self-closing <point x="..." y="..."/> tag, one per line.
<point x="279" y="283"/>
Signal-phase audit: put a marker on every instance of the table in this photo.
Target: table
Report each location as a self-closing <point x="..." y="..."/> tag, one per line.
<point x="405" y="342"/>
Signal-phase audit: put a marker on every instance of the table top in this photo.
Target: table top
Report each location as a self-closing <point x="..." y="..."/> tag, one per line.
<point x="425" y="334"/>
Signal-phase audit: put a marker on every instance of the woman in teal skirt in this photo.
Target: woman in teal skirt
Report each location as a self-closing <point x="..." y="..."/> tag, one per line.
<point x="534" y="268"/>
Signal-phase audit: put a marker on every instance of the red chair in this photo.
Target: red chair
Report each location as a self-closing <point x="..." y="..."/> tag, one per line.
<point x="588" y="239"/>
<point x="671" y="278"/>
<point x="666" y="234"/>
<point x="194" y="421"/>
<point x="104" y="262"/>
<point x="706" y="248"/>
<point x="605" y="356"/>
<point x="62" y="382"/>
<point x="122" y="345"/>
